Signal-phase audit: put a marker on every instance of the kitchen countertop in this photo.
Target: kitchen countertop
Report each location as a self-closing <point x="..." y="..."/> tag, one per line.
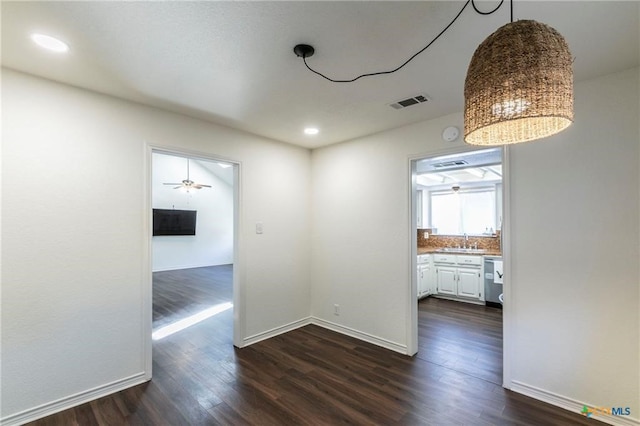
<point x="429" y="250"/>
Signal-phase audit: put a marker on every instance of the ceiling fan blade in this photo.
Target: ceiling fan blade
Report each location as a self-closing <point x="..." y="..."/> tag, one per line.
<point x="166" y="183"/>
<point x="200" y="185"/>
<point x="177" y="187"/>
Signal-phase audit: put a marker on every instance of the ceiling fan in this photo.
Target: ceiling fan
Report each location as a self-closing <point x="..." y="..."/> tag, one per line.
<point x="187" y="184"/>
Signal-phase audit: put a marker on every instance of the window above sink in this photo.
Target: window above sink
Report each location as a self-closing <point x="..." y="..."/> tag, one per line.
<point x="461" y="193"/>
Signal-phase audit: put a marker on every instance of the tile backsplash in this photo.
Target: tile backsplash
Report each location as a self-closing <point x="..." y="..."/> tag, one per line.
<point x="489" y="242"/>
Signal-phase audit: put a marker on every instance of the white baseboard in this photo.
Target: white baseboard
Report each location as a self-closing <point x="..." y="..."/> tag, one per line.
<point x="387" y="344"/>
<point x="275" y="331"/>
<point x="570" y="404"/>
<point x="71" y="401"/>
<point x="378" y="341"/>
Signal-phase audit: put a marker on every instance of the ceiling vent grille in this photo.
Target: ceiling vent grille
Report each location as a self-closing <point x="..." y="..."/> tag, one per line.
<point x="418" y="99"/>
<point x="450" y="164"/>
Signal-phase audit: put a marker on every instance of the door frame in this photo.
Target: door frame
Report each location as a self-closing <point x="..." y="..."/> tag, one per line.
<point x="147" y="274"/>
<point x="507" y="310"/>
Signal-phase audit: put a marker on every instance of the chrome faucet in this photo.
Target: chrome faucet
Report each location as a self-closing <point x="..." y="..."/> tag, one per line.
<point x="466" y="238"/>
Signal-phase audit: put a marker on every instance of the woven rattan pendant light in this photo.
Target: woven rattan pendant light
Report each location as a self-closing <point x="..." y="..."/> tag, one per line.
<point x="519" y="86"/>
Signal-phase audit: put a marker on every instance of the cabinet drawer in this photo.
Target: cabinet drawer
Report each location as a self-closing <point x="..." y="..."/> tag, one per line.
<point x="470" y="260"/>
<point x="444" y="258"/>
<point x="424" y="258"/>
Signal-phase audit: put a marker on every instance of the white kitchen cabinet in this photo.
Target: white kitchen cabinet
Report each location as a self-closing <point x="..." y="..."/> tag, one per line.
<point x="459" y="277"/>
<point x="424" y="280"/>
<point x="446" y="277"/>
<point x="469" y="282"/>
<point x="425" y="275"/>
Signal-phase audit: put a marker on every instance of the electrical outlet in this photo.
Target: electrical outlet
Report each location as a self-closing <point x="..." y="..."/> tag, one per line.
<point x="259" y="228"/>
<point x="426" y="235"/>
<point x="336" y="309"/>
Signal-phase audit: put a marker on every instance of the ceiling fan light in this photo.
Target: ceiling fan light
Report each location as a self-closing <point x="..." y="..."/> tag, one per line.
<point x="519" y="86"/>
<point x="187" y="185"/>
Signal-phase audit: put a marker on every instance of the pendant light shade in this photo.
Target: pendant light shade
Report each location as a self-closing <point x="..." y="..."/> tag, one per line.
<point x="519" y="86"/>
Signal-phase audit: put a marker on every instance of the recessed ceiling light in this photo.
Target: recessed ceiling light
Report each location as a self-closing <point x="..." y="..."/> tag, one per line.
<point x="49" y="43"/>
<point x="311" y="131"/>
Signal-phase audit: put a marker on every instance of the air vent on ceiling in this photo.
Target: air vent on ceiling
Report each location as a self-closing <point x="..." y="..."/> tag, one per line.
<point x="450" y="164"/>
<point x="418" y="99"/>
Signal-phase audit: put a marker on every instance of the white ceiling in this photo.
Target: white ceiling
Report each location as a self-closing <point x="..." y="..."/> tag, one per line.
<point x="220" y="169"/>
<point x="464" y="178"/>
<point x="470" y="168"/>
<point x="232" y="62"/>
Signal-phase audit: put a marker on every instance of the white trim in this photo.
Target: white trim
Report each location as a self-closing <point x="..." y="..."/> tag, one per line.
<point x="71" y="401"/>
<point x="146" y="289"/>
<point x="239" y="276"/>
<point x="365" y="337"/>
<point x="238" y="259"/>
<point x="508" y="310"/>
<point x="264" y="335"/>
<point x="507" y="313"/>
<point x="412" y="311"/>
<point x="369" y="338"/>
<point x="569" y="404"/>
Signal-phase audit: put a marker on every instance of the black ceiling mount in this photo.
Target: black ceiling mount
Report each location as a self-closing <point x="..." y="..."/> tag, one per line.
<point x="304" y="50"/>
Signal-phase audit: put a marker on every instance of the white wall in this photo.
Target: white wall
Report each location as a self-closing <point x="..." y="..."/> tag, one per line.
<point x="213" y="242"/>
<point x="575" y="279"/>
<point x="360" y="229"/>
<point x="74" y="238"/>
<point x="575" y="250"/>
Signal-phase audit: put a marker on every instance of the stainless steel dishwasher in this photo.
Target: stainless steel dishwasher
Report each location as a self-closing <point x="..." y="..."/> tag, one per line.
<point x="492" y="281"/>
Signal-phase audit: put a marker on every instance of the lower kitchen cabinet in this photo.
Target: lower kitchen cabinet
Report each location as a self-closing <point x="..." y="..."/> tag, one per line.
<point x="469" y="282"/>
<point x="446" y="278"/>
<point x="425" y="275"/>
<point x="424" y="280"/>
<point x="459" y="277"/>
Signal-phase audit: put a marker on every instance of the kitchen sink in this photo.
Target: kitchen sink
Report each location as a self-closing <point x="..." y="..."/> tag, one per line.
<point x="460" y="250"/>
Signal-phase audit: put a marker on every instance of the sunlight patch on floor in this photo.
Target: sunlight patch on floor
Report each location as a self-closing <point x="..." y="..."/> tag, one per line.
<point x="177" y="326"/>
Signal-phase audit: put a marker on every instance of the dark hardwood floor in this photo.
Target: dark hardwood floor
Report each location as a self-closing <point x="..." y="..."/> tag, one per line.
<point x="313" y="376"/>
<point x="462" y="337"/>
<point x="178" y="294"/>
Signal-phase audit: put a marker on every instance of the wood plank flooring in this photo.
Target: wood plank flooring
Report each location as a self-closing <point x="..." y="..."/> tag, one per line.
<point x="312" y="376"/>
<point x="177" y="294"/>
<point x="463" y="337"/>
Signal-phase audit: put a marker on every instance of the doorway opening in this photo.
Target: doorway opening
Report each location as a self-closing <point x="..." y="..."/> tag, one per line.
<point x="457" y="222"/>
<point x="193" y="255"/>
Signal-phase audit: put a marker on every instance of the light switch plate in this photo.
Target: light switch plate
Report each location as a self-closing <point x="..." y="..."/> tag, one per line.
<point x="259" y="229"/>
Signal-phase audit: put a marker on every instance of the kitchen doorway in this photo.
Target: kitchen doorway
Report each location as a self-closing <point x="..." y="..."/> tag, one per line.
<point x="193" y="298"/>
<point x="457" y="246"/>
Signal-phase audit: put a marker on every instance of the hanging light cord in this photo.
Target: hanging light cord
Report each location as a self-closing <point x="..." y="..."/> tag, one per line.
<point x="417" y="53"/>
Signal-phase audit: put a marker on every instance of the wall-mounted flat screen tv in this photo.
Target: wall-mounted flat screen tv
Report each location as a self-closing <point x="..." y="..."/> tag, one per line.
<point x="174" y="222"/>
